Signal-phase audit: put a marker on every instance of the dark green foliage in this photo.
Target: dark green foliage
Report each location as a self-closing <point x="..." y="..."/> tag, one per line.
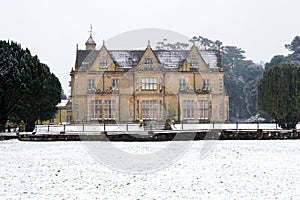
<point x="292" y="59"/>
<point x="28" y="90"/>
<point x="169" y="46"/>
<point x="279" y="95"/>
<point x="205" y="43"/>
<point x="240" y="79"/>
<point x="295" y="45"/>
<point x="63" y="95"/>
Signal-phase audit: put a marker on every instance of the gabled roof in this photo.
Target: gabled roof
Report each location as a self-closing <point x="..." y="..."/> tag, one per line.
<point x="171" y="59"/>
<point x="63" y="103"/>
<point x="126" y="58"/>
<point x="130" y="58"/>
<point x="85" y="58"/>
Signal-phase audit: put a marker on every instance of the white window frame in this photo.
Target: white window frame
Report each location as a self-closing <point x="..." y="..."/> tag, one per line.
<point x="188" y="109"/>
<point x="149" y="109"/>
<point x="91" y="84"/>
<point x="96" y="110"/>
<point x="103" y="64"/>
<point x="203" y="109"/>
<point x="206" y="84"/>
<point x="194" y="63"/>
<point x="149" y="83"/>
<point x="148" y="63"/>
<point x="182" y="84"/>
<point x="109" y="109"/>
<point x="115" y="84"/>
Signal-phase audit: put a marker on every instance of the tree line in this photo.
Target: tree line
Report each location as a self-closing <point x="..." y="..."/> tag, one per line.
<point x="28" y="90"/>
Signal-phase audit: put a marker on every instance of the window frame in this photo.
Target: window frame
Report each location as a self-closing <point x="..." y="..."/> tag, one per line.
<point x="182" y="84"/>
<point x="115" y="84"/>
<point x="91" y="84"/>
<point x="103" y="64"/>
<point x="149" y="84"/>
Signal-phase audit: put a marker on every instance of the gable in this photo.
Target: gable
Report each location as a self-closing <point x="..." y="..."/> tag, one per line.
<point x="149" y="61"/>
<point x="195" y="60"/>
<point x="103" y="61"/>
<point x="121" y="59"/>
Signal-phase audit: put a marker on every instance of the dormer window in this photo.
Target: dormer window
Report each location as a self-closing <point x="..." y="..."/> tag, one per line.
<point x="148" y="63"/>
<point x="194" y="63"/>
<point x="103" y="64"/>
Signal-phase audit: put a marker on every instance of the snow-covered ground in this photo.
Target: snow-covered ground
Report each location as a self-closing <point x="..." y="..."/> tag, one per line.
<point x="231" y="170"/>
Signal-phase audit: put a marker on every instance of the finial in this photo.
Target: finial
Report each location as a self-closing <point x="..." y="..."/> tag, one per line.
<point x="91" y="31"/>
<point x="193" y="43"/>
<point x="103" y="43"/>
<point x="148" y="43"/>
<point x="77" y="46"/>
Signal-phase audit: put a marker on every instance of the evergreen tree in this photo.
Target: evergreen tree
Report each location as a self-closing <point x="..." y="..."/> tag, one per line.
<point x="28" y="90"/>
<point x="292" y="59"/>
<point x="295" y="45"/>
<point x="279" y="95"/>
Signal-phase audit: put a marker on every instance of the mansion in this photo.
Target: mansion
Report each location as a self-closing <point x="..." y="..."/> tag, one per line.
<point x="121" y="86"/>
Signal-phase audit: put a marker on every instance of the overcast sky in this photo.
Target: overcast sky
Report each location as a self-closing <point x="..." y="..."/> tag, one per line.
<point x="52" y="28"/>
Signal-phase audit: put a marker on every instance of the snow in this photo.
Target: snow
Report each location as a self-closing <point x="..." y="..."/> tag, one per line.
<point x="63" y="103"/>
<point x="230" y="170"/>
<point x="210" y="58"/>
<point x="171" y="59"/>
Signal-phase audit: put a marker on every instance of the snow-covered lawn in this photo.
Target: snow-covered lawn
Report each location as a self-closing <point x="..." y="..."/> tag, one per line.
<point x="231" y="170"/>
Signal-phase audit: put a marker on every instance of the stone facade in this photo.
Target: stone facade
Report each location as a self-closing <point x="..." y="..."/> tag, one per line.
<point x="131" y="85"/>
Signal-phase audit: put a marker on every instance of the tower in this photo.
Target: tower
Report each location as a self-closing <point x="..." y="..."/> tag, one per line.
<point x="90" y="43"/>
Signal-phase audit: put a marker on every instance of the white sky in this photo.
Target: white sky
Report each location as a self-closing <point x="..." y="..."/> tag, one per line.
<point x="52" y="28"/>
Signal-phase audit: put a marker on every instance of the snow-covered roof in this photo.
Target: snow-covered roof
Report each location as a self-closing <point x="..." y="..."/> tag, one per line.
<point x="171" y="59"/>
<point x="210" y="57"/>
<point x="130" y="58"/>
<point x="63" y="103"/>
<point x="126" y="58"/>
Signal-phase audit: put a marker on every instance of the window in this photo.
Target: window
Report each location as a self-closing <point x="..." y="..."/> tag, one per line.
<point x="137" y="84"/>
<point x="206" y="85"/>
<point x="149" y="109"/>
<point x="149" y="83"/>
<point x="188" y="109"/>
<point x="91" y="84"/>
<point x="182" y="85"/>
<point x="148" y="62"/>
<point x="160" y="109"/>
<point x="96" y="110"/>
<point x="103" y="64"/>
<point x="160" y="84"/>
<point x="115" y="84"/>
<point x="109" y="109"/>
<point x="202" y="109"/>
<point x="69" y="118"/>
<point x="194" y="63"/>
